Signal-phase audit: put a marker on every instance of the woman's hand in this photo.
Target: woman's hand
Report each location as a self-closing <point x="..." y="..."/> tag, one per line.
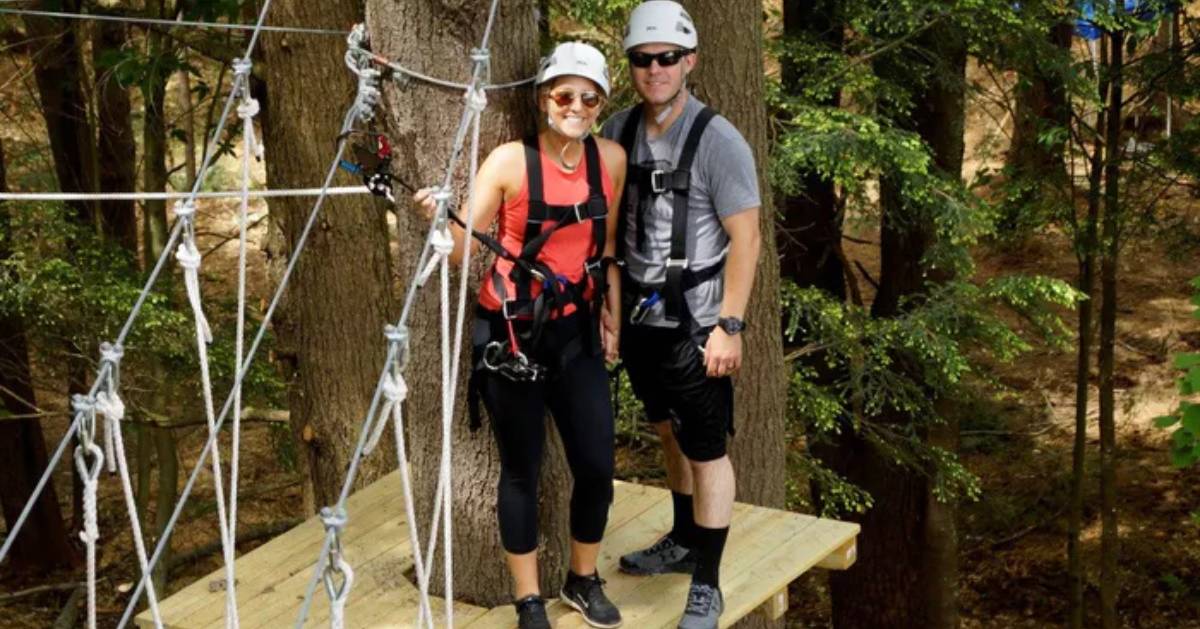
<point x="423" y="198"/>
<point x="610" y="335"/>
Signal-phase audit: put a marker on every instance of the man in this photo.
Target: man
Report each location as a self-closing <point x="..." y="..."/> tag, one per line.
<point x="690" y="242"/>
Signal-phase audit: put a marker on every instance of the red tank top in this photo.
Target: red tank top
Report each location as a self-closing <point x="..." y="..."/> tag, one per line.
<point x="567" y="249"/>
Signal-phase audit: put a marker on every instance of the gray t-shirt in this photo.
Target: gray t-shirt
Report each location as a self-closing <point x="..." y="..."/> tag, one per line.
<point x="724" y="182"/>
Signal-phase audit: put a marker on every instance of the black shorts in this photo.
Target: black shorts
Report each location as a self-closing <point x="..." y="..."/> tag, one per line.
<point x="666" y="369"/>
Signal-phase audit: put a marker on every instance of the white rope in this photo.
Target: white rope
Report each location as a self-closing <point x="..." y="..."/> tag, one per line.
<point x="175" y="196"/>
<point x="246" y="110"/>
<point x="336" y="567"/>
<point x="395" y="390"/>
<point x="189" y="259"/>
<point x="109" y="404"/>
<point x="442" y="242"/>
<point x="85" y="410"/>
<point x="98" y="17"/>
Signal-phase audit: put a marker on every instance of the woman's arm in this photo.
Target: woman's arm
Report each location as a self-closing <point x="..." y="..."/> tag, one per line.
<point x="614" y="160"/>
<point x="492" y="184"/>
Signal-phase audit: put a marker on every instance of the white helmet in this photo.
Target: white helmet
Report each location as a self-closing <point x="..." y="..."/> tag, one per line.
<point x="660" y="22"/>
<point x="575" y="59"/>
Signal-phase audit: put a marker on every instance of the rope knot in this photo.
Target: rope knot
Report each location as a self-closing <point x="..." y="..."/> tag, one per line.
<point x="188" y="256"/>
<point x="81" y="403"/>
<point x="242" y="67"/>
<point x="442" y="242"/>
<point x="111" y="353"/>
<point x="368" y="93"/>
<point x="334" y="519"/>
<point x="110" y="405"/>
<point x="441" y="196"/>
<point x="476" y="99"/>
<point x="395" y="334"/>
<point x="185" y="209"/>
<point x="357" y="37"/>
<point x="248" y="108"/>
<point x="395" y="389"/>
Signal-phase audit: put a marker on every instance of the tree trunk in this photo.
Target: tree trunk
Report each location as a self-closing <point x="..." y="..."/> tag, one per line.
<point x="436" y="38"/>
<point x="810" y="231"/>
<point x="44" y="544"/>
<point x="1085" y="310"/>
<point x="1041" y="103"/>
<point x="906" y="574"/>
<point x="732" y="82"/>
<point x="116" y="146"/>
<point x="58" y="70"/>
<point x="330" y="328"/>
<point x="1110" y="246"/>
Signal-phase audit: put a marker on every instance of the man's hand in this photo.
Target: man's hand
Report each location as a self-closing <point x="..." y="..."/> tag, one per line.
<point x="722" y="353"/>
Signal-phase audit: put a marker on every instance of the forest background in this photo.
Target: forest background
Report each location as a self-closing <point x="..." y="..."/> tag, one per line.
<point x="986" y="231"/>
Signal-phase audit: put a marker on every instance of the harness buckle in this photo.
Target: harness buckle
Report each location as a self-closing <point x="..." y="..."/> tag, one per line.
<point x="579" y="218"/>
<point x="504" y="310"/>
<point x="679" y="263"/>
<point x="642" y="308"/>
<point x="658" y="184"/>
<point x="515" y="366"/>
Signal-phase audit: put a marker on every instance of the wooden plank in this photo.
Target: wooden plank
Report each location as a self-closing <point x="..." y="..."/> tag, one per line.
<point x="260" y="571"/>
<point x="842" y="558"/>
<point x="766" y="550"/>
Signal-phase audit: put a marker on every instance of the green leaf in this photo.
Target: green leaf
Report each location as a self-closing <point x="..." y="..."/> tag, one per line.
<point x="1182" y="457"/>
<point x="1187" y="361"/>
<point x="1166" y="421"/>
<point x="1193" y="380"/>
<point x="1191" y="418"/>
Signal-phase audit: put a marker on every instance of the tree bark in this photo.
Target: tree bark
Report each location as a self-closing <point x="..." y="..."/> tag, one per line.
<point x="810" y="231"/>
<point x="436" y="37"/>
<point x="1084" y="311"/>
<point x="43" y="545"/>
<point x="906" y="574"/>
<point x="732" y="82"/>
<point x="116" y="146"/>
<point x="1109" y="250"/>
<point x="58" y="71"/>
<point x="1041" y="103"/>
<point x="330" y="326"/>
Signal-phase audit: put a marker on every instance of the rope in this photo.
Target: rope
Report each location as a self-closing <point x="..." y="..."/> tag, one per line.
<point x="238" y="82"/>
<point x="98" y="17"/>
<point x="189" y="258"/>
<point x="85" y="410"/>
<point x="109" y="404"/>
<point x="347" y="123"/>
<point x="246" y="110"/>
<point x="173" y="196"/>
<point x="336" y="567"/>
<point x="397" y="356"/>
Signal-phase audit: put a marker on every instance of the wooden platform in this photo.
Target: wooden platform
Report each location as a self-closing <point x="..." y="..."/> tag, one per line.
<point x="767" y="549"/>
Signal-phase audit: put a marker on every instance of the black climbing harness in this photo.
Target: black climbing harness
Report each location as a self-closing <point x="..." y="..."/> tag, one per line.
<point x="642" y="186"/>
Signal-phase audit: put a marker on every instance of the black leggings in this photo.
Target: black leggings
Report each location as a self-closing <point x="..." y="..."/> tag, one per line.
<point x="577" y="395"/>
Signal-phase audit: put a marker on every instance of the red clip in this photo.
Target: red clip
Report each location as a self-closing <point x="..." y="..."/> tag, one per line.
<point x="385" y="149"/>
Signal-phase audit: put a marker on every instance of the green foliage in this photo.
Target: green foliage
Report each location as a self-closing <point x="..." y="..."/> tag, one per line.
<point x="72" y="290"/>
<point x="1185" y="439"/>
<point x="892" y="370"/>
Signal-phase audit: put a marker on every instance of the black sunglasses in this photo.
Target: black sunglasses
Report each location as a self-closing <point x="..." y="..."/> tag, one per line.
<point x="664" y="59"/>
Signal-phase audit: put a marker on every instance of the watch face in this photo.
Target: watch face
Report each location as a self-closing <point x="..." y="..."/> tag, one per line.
<point x="731" y="325"/>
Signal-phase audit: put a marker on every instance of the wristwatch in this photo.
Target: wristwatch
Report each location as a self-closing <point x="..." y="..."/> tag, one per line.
<point x="731" y="325"/>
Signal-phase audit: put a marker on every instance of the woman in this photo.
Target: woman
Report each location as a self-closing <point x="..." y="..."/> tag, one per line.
<point x="538" y="340"/>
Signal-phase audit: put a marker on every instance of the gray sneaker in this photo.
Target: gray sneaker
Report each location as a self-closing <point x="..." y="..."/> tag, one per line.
<point x="664" y="556"/>
<point x="704" y="606"/>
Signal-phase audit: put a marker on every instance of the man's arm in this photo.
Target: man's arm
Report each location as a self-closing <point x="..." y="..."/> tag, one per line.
<point x="723" y="353"/>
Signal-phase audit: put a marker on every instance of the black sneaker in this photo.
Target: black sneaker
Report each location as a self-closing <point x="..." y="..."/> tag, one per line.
<point x="586" y="595"/>
<point x="704" y="606"/>
<point x="531" y="613"/>
<point x="666" y="555"/>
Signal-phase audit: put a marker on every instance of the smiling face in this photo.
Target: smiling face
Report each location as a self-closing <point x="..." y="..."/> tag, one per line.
<point x="573" y="118"/>
<point x="657" y="84"/>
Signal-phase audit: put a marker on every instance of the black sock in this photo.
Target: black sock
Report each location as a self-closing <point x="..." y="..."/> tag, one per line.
<point x="709" y="546"/>
<point x="681" y="530"/>
<point x="573" y="578"/>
